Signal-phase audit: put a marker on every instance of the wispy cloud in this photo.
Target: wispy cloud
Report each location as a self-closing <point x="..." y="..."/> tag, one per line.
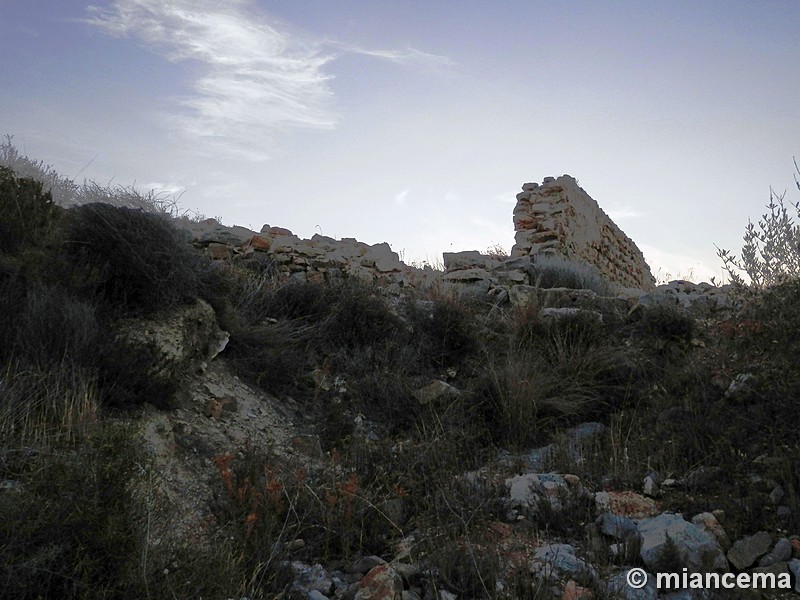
<point x="401" y="198"/>
<point x="507" y="197"/>
<point x="171" y="189"/>
<point x="409" y="57"/>
<point x="257" y="80"/>
<point x="621" y="213"/>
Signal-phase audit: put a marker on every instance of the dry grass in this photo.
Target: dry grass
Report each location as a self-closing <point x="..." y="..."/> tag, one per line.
<point x="43" y="408"/>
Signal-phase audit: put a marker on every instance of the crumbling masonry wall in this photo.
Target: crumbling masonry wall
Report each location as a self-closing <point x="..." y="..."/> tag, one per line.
<point x="559" y="217"/>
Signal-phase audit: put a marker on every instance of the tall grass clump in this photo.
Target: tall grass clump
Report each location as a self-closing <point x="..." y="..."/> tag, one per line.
<point x="283" y="329"/>
<point x="49" y="386"/>
<point x="554" y="371"/>
<point x="552" y="271"/>
<point x="447" y="328"/>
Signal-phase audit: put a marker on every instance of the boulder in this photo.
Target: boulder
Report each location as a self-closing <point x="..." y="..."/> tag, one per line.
<point x="180" y="341"/>
<point x="698" y="550"/>
<point x="781" y="552"/>
<point x="434" y="391"/>
<point x="381" y="583"/>
<point x="745" y="552"/>
<point x="559" y="562"/>
<point x="627" y="504"/>
<point x="618" y="588"/>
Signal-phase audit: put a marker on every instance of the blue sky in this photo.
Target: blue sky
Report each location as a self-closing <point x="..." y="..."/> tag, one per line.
<point x="416" y="123"/>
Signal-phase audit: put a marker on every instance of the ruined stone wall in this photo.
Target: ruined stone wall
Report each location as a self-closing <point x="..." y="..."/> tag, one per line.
<point x="559" y="217"/>
<point x="315" y="260"/>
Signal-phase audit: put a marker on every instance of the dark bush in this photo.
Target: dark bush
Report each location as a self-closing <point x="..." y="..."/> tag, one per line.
<point x="666" y="322"/>
<point x="27" y="212"/>
<point x="358" y="316"/>
<point x="135" y="261"/>
<point x="129" y="376"/>
<point x="53" y="327"/>
<point x="12" y="299"/>
<point x="309" y="302"/>
<point x="272" y="356"/>
<point x="447" y="331"/>
<point x="70" y="530"/>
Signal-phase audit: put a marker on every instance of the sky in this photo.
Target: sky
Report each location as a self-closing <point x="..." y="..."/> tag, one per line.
<point x="417" y="122"/>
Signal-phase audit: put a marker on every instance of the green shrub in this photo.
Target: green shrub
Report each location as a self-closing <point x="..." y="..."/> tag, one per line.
<point x="70" y="530"/>
<point x="79" y="524"/>
<point x="771" y="253"/>
<point x="134" y="261"/>
<point x="28" y="212"/>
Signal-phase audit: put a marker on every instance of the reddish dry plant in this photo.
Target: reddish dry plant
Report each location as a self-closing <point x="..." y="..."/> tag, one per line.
<point x="249" y="523"/>
<point x="737" y="329"/>
<point x="399" y="491"/>
<point x="274" y="490"/>
<point x="223" y="463"/>
<point x="348" y="489"/>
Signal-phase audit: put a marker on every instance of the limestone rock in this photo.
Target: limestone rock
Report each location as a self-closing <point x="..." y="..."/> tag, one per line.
<point x="523" y="295"/>
<point x="698" y="549"/>
<point x="381" y="583"/>
<point x="794" y="568"/>
<point x="617" y="526"/>
<point x="627" y="504"/>
<point x="180" y="340"/>
<point x="748" y="550"/>
<point x="710" y="523"/>
<point x="529" y="489"/>
<point x="434" y="391"/>
<point x="559" y="561"/>
<point x="619" y="588"/>
<point x="454" y="261"/>
<point x="781" y="552"/>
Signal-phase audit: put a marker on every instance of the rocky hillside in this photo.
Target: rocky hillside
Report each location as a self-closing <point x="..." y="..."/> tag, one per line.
<point x="194" y="411"/>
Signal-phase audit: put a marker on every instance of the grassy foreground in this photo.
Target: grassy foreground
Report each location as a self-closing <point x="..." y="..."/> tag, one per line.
<point x="79" y="493"/>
